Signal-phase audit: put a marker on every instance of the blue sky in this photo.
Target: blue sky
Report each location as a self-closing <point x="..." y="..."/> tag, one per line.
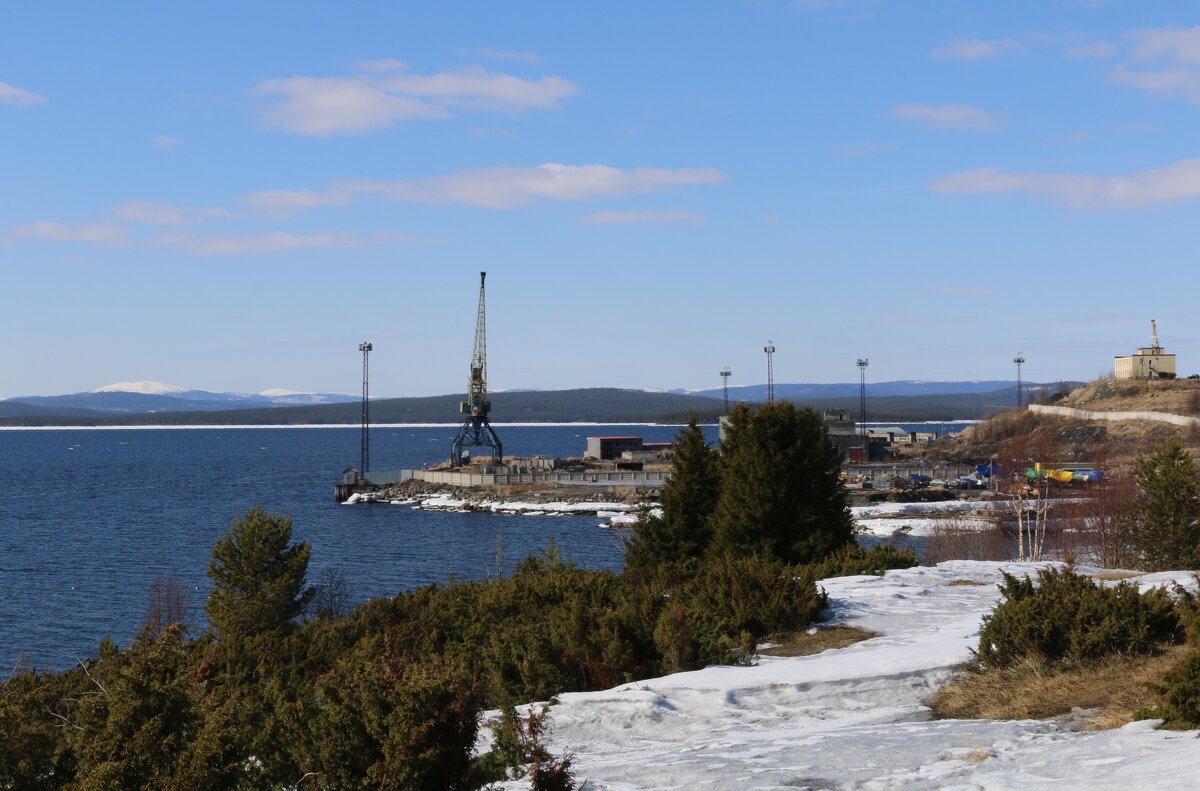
<point x="232" y="196"/>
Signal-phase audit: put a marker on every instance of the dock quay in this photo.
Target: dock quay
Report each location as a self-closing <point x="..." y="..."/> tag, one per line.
<point x="374" y="480"/>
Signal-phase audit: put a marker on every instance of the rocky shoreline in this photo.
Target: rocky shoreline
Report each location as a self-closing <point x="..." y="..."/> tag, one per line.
<point x="419" y="495"/>
<point x="618" y="510"/>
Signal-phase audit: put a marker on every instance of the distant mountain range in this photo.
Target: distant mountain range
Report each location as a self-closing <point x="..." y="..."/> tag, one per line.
<point x="906" y="387"/>
<point x="134" y="398"/>
<point x="156" y="404"/>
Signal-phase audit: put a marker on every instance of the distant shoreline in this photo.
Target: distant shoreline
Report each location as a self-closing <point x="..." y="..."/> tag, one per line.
<point x="354" y="426"/>
<point x="357" y="427"/>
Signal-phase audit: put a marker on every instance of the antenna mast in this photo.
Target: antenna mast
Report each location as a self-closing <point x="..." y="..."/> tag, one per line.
<point x="770" y="350"/>
<point x="476" y="431"/>
<point x="725" y="374"/>
<point x="365" y="347"/>
<point x="1154" y="333"/>
<point x="862" y="394"/>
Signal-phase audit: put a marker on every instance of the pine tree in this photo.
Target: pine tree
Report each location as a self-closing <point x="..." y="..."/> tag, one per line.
<point x="684" y="530"/>
<point x="780" y="491"/>
<point x="257" y="576"/>
<point x="1166" y="531"/>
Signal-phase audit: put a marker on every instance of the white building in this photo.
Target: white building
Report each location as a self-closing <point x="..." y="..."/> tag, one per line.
<point x="1150" y="362"/>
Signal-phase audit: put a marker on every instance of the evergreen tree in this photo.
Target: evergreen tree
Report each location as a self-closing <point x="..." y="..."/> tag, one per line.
<point x="257" y="576"/>
<point x="1166" y="531"/>
<point x="684" y="530"/>
<point x="780" y="491"/>
<point x="136" y="715"/>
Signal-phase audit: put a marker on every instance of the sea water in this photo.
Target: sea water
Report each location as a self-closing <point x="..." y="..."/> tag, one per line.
<point x="89" y="519"/>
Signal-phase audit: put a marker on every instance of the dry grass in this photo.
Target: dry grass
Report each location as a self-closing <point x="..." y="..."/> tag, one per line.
<point x="1109" y="576"/>
<point x="1137" y="396"/>
<point x="960" y="582"/>
<point x="804" y="643"/>
<point x="1114" y="688"/>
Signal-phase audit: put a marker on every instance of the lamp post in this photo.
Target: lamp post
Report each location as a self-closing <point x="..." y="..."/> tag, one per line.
<point x="1019" y="360"/>
<point x="770" y="351"/>
<point x="862" y="394"/>
<point x="365" y="347"/>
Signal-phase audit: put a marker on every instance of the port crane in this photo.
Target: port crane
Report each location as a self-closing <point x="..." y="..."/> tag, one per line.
<point x="476" y="430"/>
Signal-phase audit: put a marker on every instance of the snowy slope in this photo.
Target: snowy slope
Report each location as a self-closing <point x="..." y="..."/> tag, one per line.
<point x="856" y="717"/>
<point x="144" y="387"/>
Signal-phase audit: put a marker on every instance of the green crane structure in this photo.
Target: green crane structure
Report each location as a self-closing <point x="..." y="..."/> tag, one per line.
<point x="476" y="431"/>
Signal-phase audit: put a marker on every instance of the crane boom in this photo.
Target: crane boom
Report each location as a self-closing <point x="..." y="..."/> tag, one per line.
<point x="477" y="384"/>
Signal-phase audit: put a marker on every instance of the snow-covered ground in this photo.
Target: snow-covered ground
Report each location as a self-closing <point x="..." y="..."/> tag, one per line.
<point x="857" y="717"/>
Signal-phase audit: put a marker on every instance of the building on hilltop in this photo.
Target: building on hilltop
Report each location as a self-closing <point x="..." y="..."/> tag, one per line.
<point x="1150" y="362"/>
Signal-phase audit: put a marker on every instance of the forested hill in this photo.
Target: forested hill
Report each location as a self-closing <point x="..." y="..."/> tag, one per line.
<point x="599" y="405"/>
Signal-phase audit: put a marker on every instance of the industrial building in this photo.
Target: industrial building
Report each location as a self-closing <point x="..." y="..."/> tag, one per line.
<point x="1150" y="362"/>
<point x="609" y="448"/>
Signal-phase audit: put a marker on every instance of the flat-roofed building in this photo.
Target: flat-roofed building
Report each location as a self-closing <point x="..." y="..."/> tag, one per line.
<point x="608" y="448"/>
<point x="1150" y="362"/>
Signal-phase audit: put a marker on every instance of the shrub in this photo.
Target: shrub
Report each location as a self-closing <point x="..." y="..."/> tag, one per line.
<point x="857" y="559"/>
<point x="1179" y="694"/>
<point x="1067" y="618"/>
<point x="955" y="539"/>
<point x="1166" y="529"/>
<point x="730" y="606"/>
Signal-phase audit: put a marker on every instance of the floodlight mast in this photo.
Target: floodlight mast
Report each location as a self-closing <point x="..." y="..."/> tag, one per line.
<point x="725" y="374"/>
<point x="770" y="351"/>
<point x="862" y="394"/>
<point x="1019" y="360"/>
<point x="366" y="347"/>
<point x="476" y="430"/>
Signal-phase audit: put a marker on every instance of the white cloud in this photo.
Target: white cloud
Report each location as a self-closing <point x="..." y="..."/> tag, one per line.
<point x="509" y="187"/>
<point x="11" y="94"/>
<point x="288" y="200"/>
<point x="977" y="49"/>
<point x="102" y="233"/>
<point x="383" y="64"/>
<point x="272" y="242"/>
<point x="474" y="86"/>
<point x="509" y="55"/>
<point x="611" y="217"/>
<point x="166" y="141"/>
<point x="1144" y="189"/>
<point x="1094" y="50"/>
<point x="154" y="213"/>
<point x="331" y="105"/>
<point x="1072" y="137"/>
<point x="959" y="117"/>
<point x="1177" y="45"/>
<point x="1175" y="55"/>
<point x="386" y="93"/>
<point x="862" y="149"/>
<point x="1176" y="80"/>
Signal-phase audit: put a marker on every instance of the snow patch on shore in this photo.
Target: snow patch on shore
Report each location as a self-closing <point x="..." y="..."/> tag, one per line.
<point x="857" y="717"/>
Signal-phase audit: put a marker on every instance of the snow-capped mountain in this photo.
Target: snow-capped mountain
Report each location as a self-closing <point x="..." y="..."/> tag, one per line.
<point x="150" y="396"/>
<point x="144" y="387"/>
